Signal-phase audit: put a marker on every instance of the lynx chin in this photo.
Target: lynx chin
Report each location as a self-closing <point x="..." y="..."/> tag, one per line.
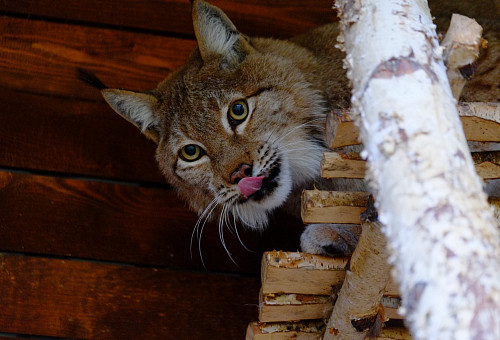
<point x="240" y="127"/>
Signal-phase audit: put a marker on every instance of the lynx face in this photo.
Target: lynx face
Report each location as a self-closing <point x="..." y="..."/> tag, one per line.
<point x="239" y="127"/>
<point x="239" y="139"/>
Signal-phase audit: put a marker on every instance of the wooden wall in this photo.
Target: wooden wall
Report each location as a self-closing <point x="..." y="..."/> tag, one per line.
<point x="93" y="243"/>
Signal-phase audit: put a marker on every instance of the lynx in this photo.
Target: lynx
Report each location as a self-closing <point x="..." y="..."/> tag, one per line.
<point x="240" y="127"/>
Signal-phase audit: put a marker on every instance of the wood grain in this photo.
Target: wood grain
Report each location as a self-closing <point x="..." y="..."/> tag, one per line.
<point x="347" y="133"/>
<point x="262" y="18"/>
<point x="291" y="307"/>
<point x="332" y="206"/>
<point x="301" y="273"/>
<point x="51" y="121"/>
<point x="70" y="136"/>
<point x="349" y="165"/>
<point x="302" y="330"/>
<point x="41" y="57"/>
<point x="89" y="300"/>
<point x="340" y="165"/>
<point x="294" y="330"/>
<point x="123" y="223"/>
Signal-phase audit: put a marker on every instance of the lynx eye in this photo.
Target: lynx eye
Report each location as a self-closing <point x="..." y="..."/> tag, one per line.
<point x="238" y="112"/>
<point x="191" y="153"/>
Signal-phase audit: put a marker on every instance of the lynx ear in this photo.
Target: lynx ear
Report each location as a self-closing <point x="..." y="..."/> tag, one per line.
<point x="137" y="108"/>
<point x="217" y="36"/>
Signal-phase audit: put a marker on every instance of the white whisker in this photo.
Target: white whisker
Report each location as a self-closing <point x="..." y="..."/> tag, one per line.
<point x="198" y="222"/>
<point x="307" y="141"/>
<point x="230" y="202"/>
<point x="297" y="149"/>
<point x="222" y="217"/>
<point x="242" y="220"/>
<point x="238" y="236"/>
<point x="308" y="123"/>
<point x="204" y="216"/>
<point x="201" y="233"/>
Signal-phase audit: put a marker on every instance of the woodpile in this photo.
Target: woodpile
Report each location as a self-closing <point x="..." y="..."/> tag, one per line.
<point x="299" y="289"/>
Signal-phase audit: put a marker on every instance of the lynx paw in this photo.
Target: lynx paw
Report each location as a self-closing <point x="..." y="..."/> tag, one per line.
<point x="330" y="239"/>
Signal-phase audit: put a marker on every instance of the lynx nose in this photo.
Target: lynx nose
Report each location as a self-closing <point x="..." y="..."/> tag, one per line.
<point x="243" y="170"/>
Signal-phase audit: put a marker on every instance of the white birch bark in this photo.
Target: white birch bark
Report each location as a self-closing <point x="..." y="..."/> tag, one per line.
<point x="358" y="302"/>
<point x="441" y="235"/>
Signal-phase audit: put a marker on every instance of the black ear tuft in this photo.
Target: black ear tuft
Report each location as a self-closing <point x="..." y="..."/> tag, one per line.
<point x="218" y="39"/>
<point x="90" y="78"/>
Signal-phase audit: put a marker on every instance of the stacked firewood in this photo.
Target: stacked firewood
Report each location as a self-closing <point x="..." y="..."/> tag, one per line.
<point x="299" y="290"/>
<point x="297" y="294"/>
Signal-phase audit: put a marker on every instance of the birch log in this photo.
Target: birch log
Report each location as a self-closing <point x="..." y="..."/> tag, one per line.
<point x="440" y="231"/>
<point x="461" y="49"/>
<point x="358" y="303"/>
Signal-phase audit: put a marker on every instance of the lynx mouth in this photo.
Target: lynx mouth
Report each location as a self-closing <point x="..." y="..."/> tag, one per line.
<point x="269" y="184"/>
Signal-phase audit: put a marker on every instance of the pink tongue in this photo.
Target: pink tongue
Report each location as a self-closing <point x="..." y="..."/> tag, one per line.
<point x="250" y="185"/>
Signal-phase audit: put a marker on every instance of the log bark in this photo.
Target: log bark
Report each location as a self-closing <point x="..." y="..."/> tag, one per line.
<point x="311" y="330"/>
<point x="461" y="43"/>
<point x="290" y="307"/>
<point x="336" y="207"/>
<point x="349" y="165"/>
<point x="303" y="330"/>
<point x="481" y="123"/>
<point x="301" y="273"/>
<point x="358" y="303"/>
<point x="342" y="165"/>
<point x="442" y="237"/>
<point x="281" y="307"/>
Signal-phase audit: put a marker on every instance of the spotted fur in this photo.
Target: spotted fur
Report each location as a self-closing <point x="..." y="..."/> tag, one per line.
<point x="288" y="86"/>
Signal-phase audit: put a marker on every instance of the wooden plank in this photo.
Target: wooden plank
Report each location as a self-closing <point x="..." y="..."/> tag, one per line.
<point x="341" y="165"/>
<point x="301" y="273"/>
<point x="302" y="330"/>
<point x="486" y="111"/>
<point x="123" y="223"/>
<point x="488" y="170"/>
<point x="333" y="206"/>
<point x="480" y="130"/>
<point x="483" y="146"/>
<point x="41" y="57"/>
<point x="51" y="121"/>
<point x="292" y="307"/>
<point x="341" y="130"/>
<point x="260" y="18"/>
<point x="394" y="333"/>
<point x="73" y="137"/>
<point x="77" y="299"/>
<point x="306" y="331"/>
<point x="480" y="122"/>
<point x="350" y="165"/>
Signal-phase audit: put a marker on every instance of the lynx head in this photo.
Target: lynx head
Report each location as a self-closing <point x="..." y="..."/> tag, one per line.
<point x="238" y="127"/>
